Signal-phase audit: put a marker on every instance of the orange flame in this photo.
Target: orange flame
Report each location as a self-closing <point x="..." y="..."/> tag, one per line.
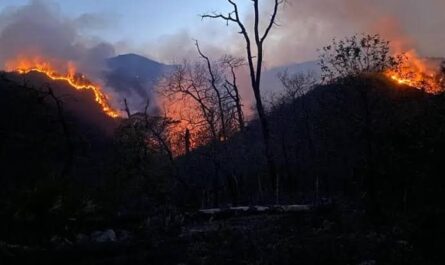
<point x="180" y="109"/>
<point x="25" y="65"/>
<point x="417" y="72"/>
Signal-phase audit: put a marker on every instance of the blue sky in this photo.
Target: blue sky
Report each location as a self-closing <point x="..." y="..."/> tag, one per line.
<point x="136" y="21"/>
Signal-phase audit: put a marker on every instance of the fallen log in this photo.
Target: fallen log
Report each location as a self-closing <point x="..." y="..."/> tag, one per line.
<point x="253" y="210"/>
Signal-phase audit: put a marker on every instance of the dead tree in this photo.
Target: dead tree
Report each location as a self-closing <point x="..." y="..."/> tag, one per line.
<point x="203" y="87"/>
<point x="219" y="98"/>
<point x="296" y="85"/>
<point x="187" y="141"/>
<point x="188" y="83"/>
<point x="231" y="86"/>
<point x="255" y="55"/>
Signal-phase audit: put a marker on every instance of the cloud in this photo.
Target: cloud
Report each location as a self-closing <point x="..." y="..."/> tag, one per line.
<point x="310" y="24"/>
<point x="39" y="29"/>
<point x="94" y="21"/>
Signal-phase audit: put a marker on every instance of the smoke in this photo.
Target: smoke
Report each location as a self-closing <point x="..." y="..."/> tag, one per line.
<point x="307" y="25"/>
<point x="39" y="29"/>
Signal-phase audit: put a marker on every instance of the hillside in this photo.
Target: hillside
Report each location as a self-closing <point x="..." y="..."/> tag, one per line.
<point x="52" y="136"/>
<point x="332" y="138"/>
<point x="367" y="153"/>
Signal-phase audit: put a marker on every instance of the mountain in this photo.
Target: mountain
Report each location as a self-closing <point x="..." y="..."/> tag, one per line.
<point x="271" y="82"/>
<point x="133" y="76"/>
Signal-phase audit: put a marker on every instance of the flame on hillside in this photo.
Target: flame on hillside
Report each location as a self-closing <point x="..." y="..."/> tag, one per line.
<point x="25" y="65"/>
<point x="417" y="72"/>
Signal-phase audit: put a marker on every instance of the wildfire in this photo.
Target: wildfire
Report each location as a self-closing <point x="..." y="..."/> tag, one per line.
<point x="418" y="73"/>
<point x="78" y="81"/>
<point x="178" y="109"/>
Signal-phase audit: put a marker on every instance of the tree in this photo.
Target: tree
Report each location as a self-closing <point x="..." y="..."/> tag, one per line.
<point x="356" y="55"/>
<point x="150" y="134"/>
<point x="188" y="85"/>
<point x="296" y="85"/>
<point x="218" y="95"/>
<point x="210" y="94"/>
<point x="442" y="75"/>
<point x="210" y="108"/>
<point x="231" y="85"/>
<point x="255" y="55"/>
<point x="351" y="61"/>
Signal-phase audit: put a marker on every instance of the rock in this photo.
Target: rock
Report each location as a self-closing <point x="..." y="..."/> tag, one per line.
<point x="368" y="262"/>
<point x="123" y="235"/>
<point x="102" y="237"/>
<point x="82" y="239"/>
<point x="59" y="241"/>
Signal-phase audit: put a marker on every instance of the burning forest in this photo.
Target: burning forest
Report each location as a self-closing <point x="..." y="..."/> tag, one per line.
<point x="76" y="80"/>
<point x="130" y="145"/>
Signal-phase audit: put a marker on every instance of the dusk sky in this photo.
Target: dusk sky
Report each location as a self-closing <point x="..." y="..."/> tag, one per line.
<point x="164" y="30"/>
<point x="136" y="21"/>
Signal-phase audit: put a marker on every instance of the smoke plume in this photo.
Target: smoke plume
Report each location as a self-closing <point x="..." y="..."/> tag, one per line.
<point x="307" y="25"/>
<point x="39" y="29"/>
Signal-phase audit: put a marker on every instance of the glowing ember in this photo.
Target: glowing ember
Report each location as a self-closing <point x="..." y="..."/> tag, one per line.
<point x="418" y="73"/>
<point x="79" y="82"/>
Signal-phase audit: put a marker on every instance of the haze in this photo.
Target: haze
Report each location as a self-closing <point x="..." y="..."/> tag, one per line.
<point x="164" y="30"/>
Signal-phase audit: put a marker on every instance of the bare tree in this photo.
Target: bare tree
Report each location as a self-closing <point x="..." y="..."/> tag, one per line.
<point x="296" y="85"/>
<point x="231" y="85"/>
<point x="210" y="92"/>
<point x="188" y="83"/>
<point x="219" y="98"/>
<point x="255" y="55"/>
<point x="156" y="133"/>
<point x="212" y="89"/>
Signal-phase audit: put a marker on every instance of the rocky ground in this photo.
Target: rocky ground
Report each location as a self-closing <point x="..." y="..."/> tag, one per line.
<point x="319" y="236"/>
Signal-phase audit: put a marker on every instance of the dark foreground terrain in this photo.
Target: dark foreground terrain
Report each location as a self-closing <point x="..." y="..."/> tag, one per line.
<point x="85" y="189"/>
<point x="322" y="236"/>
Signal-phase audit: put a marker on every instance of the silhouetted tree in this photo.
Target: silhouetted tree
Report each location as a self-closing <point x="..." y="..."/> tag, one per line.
<point x="442" y="75"/>
<point x="209" y="96"/>
<point x="218" y="95"/>
<point x="213" y="101"/>
<point x="296" y="85"/>
<point x="255" y="55"/>
<point x="188" y="85"/>
<point x="357" y="55"/>
<point x="232" y="85"/>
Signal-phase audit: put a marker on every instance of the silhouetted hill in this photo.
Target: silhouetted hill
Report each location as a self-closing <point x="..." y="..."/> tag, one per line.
<point x="77" y="104"/>
<point x="338" y="138"/>
<point x="45" y="136"/>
